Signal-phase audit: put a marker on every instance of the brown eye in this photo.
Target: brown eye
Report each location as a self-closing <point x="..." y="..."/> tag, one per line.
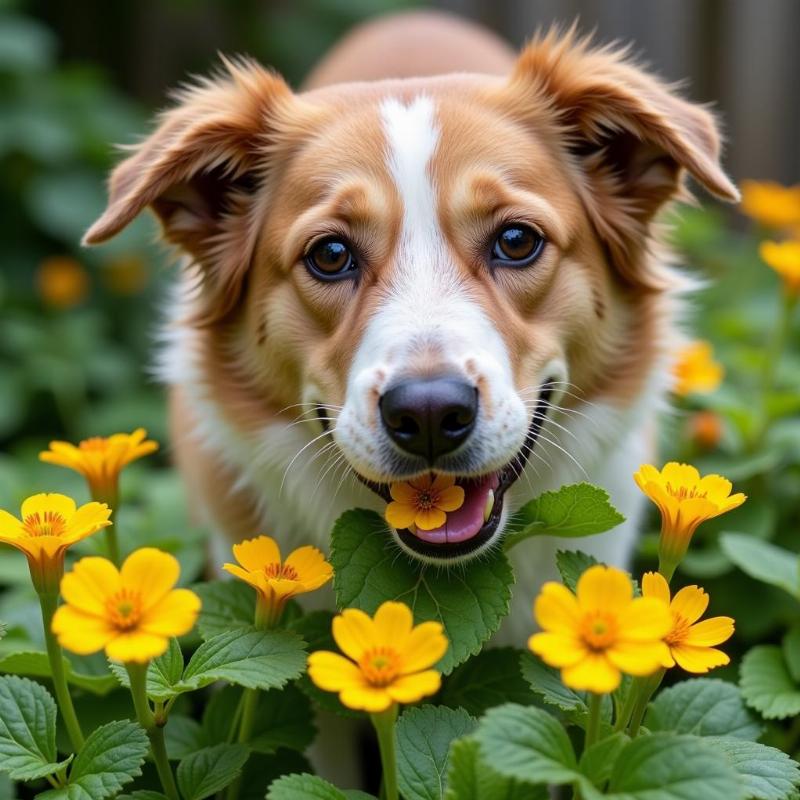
<point x="517" y="246"/>
<point x="331" y="259"/>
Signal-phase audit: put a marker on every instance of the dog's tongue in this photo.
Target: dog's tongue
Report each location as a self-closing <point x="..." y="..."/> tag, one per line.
<point x="465" y="522"/>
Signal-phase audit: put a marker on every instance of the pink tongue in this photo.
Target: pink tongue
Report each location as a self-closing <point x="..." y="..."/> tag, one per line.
<point x="465" y="522"/>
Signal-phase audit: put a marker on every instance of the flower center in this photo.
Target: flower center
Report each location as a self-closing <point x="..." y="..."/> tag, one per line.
<point x="684" y="492"/>
<point x="124" y="609"/>
<point x="680" y="627"/>
<point x="599" y="630"/>
<point x="426" y="500"/>
<point x="285" y="571"/>
<point x="47" y="523"/>
<point x="380" y="666"/>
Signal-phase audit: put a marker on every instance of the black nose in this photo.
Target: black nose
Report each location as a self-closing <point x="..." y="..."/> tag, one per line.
<point x="430" y="417"/>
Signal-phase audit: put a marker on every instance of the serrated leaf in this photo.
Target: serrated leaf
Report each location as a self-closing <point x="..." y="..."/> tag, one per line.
<point x="527" y="744"/>
<point x="667" y="766"/>
<point x="598" y="760"/>
<point x="227" y="605"/>
<point x="766" y="684"/>
<point x="36" y="664"/>
<point x="184" y="736"/>
<point x="424" y="736"/>
<point x="791" y="651"/>
<point x="310" y="787"/>
<point x="209" y="770"/>
<point x="488" y="679"/>
<point x="704" y="707"/>
<point x="470" y="600"/>
<point x="469" y="777"/>
<point x="163" y="673"/>
<point x="27" y="730"/>
<point x="767" y="773"/>
<point x="569" y="512"/>
<point x="111" y="757"/>
<point x="247" y="657"/>
<point x="284" y="718"/>
<point x="571" y="564"/>
<point x="763" y="561"/>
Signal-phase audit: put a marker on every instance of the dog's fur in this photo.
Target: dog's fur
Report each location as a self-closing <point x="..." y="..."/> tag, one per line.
<point x="416" y="139"/>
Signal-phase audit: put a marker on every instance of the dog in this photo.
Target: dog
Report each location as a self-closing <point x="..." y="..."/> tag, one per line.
<point x="439" y="257"/>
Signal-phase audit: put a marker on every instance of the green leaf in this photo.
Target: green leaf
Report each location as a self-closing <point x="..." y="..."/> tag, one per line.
<point x="527" y="744"/>
<point x="766" y="683"/>
<point x="184" y="736"/>
<point x="111" y="757"/>
<point x="36" y="664"/>
<point x="310" y="787"/>
<point x="143" y="794"/>
<point x="3" y="629"/>
<point x="572" y="511"/>
<point x="704" y="707"/>
<point x="666" y="766"/>
<point x="598" y="760"/>
<point x="283" y="719"/>
<point x="27" y="730"/>
<point x="163" y="673"/>
<point x="767" y="773"/>
<point x="227" y="605"/>
<point x="572" y="564"/>
<point x="424" y="736"/>
<point x="546" y="682"/>
<point x="207" y="771"/>
<point x="469" y="777"/>
<point x="246" y="657"/>
<point x="791" y="651"/>
<point x="488" y="679"/>
<point x="470" y="600"/>
<point x="763" y="561"/>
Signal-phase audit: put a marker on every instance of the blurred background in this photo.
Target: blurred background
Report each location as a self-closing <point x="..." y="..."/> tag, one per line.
<point x="76" y="326"/>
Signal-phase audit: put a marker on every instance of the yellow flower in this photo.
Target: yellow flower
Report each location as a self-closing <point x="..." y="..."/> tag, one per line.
<point x="695" y="369"/>
<point x="275" y="580"/>
<point x="101" y="459"/>
<point x="131" y="613"/>
<point x="48" y="525"/>
<point x="685" y="501"/>
<point x="784" y="258"/>
<point x="690" y="642"/>
<point x="423" y="502"/>
<point x="62" y="282"/>
<point x="771" y="204"/>
<point x="600" y="632"/>
<point x="388" y="658"/>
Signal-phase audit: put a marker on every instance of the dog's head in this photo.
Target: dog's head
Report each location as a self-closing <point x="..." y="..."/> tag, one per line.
<point x="428" y="263"/>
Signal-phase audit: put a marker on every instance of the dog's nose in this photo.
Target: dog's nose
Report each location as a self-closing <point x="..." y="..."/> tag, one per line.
<point x="429" y="417"/>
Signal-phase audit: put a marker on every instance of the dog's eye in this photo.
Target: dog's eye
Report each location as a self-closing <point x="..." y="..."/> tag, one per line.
<point x="517" y="246"/>
<point x="330" y="259"/>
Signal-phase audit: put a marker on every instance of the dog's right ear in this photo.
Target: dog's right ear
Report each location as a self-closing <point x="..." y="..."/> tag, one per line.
<point x="197" y="172"/>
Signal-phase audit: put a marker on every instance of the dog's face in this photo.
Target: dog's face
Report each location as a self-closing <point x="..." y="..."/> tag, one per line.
<point x="429" y="266"/>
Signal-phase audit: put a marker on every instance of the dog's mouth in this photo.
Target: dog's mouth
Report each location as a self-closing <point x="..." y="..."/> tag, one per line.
<point x="472" y="526"/>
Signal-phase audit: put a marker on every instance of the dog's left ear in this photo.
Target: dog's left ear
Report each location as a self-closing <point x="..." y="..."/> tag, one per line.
<point x="632" y="137"/>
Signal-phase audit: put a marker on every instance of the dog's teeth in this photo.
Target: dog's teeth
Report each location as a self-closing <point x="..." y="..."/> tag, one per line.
<point x="487" y="509"/>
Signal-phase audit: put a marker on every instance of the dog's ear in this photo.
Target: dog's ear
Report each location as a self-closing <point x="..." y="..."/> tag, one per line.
<point x="632" y="136"/>
<point x="198" y="171"/>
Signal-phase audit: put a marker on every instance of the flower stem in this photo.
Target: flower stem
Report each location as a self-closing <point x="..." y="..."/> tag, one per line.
<point x="667" y="568"/>
<point x="49" y="603"/>
<point x="112" y="540"/>
<point x="247" y="707"/>
<point x="624" y="715"/>
<point x="158" y="747"/>
<point x="593" y="724"/>
<point x="384" y="724"/>
<point x="645" y="687"/>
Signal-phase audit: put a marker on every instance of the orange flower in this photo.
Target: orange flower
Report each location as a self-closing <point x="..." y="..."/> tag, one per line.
<point x="705" y="429"/>
<point x="771" y="204"/>
<point x="696" y="371"/>
<point x="62" y="282"/>
<point x="784" y="258"/>
<point x="423" y="502"/>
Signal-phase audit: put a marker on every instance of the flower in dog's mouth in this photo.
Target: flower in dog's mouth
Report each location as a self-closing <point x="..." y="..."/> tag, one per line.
<point x="424" y="502"/>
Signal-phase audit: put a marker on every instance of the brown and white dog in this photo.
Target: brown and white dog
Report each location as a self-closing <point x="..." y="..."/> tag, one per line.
<point x="439" y="257"/>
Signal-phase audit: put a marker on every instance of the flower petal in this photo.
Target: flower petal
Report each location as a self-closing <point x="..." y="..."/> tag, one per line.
<point x="404" y="493"/>
<point x="311" y="567"/>
<point x="556" y="609"/>
<point x="594" y="673"/>
<point x="257" y="553"/>
<point x="41" y="503"/>
<point x="173" y="615"/>
<point x="715" y="630"/>
<point x="89" y="585"/>
<point x="442" y="482"/>
<point x="81" y="633"/>
<point x="151" y="572"/>
<point x="88" y="519"/>
<point x="365" y="698"/>
<point x="690" y="603"/>
<point x="605" y="588"/>
<point x="425" y="645"/>
<point x="698" y="659"/>
<point x="429" y="519"/>
<point x="645" y="619"/>
<point x="450" y="499"/>
<point x="136" y="646"/>
<point x="333" y="672"/>
<point x="256" y="579"/>
<point x="639" y="658"/>
<point x="654" y="584"/>
<point x="558" y="649"/>
<point x="10" y="527"/>
<point x="411" y="688"/>
<point x="354" y="632"/>
<point x="393" y="622"/>
<point x="400" y="515"/>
